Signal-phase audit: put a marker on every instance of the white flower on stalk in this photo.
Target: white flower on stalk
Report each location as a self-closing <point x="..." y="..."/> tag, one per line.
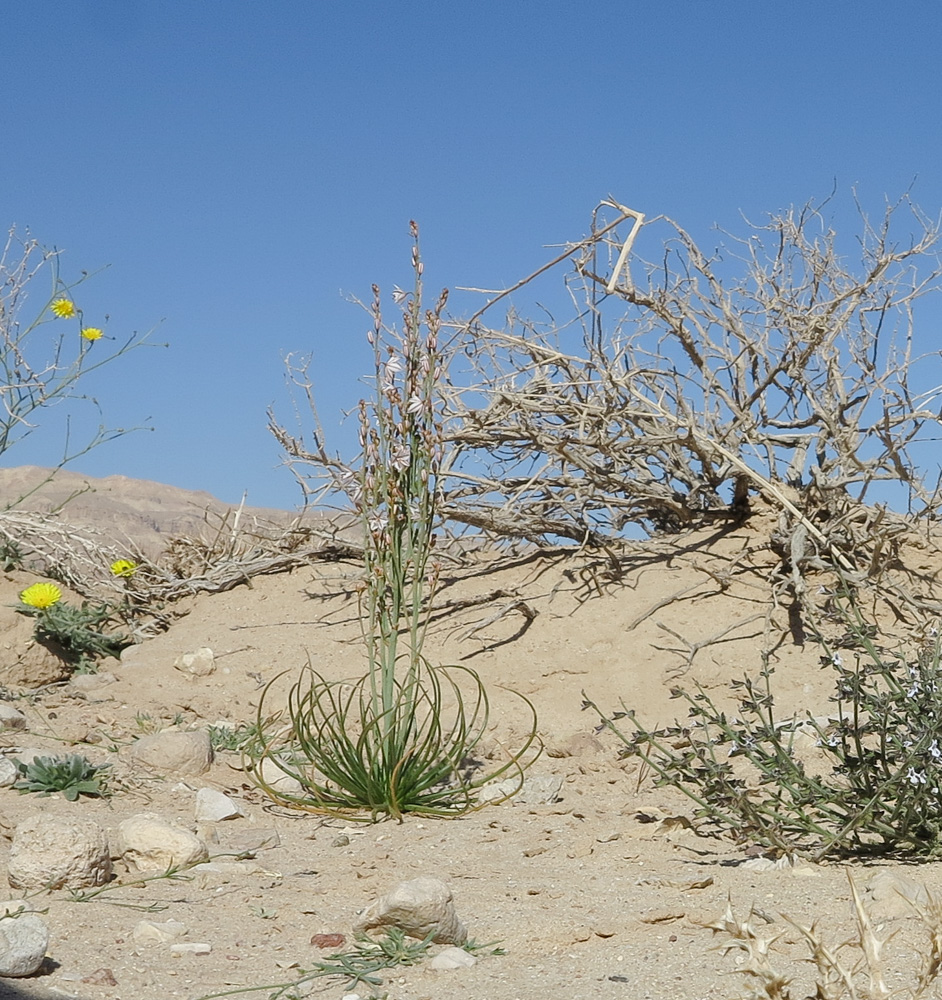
<point x="415" y="405"/>
<point x="398" y="295"/>
<point x="350" y="483"/>
<point x="916" y="777"/>
<point x="400" y="457"/>
<point x="377" y="522"/>
<point x="392" y="366"/>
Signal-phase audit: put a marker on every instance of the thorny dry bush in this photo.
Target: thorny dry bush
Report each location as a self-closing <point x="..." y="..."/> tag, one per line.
<point x="857" y="967"/>
<point x="691" y="386"/>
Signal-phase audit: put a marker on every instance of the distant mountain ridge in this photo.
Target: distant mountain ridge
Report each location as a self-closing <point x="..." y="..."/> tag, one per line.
<point x="122" y="508"/>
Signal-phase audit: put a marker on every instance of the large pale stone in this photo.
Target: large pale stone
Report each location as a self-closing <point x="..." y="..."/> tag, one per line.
<point x="185" y="753"/>
<point x="23" y="943"/>
<point x="147" y="842"/>
<point x="420" y="907"/>
<point x="52" y="852"/>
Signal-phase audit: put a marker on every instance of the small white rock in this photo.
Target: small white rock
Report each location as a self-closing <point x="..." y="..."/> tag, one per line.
<point x="154" y="932"/>
<point x="213" y="806"/>
<point x="191" y="948"/>
<point x="453" y="958"/>
<point x="147" y="842"/>
<point x="23" y="943"/>
<point x="200" y="663"/>
<point x="8" y="772"/>
<point x="11" y="718"/>
<point x="420" y="907"/>
<point x="537" y="790"/>
<point x="280" y="782"/>
<point x="90" y="682"/>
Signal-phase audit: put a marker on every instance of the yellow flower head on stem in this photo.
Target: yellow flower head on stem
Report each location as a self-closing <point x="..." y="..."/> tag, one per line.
<point x="124" y="567"/>
<point x="41" y="595"/>
<point x="91" y="333"/>
<point x="63" y="308"/>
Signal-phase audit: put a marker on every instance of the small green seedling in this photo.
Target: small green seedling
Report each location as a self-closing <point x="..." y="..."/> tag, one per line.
<point x="73" y="775"/>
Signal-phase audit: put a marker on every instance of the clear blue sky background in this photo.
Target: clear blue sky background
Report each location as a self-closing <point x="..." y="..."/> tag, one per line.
<point x="244" y="166"/>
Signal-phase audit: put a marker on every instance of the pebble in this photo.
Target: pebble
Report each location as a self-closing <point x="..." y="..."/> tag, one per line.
<point x="537" y="790"/>
<point x="11" y="718"/>
<point x="8" y="772"/>
<point x="200" y="663"/>
<point x="452" y="958"/>
<point x="213" y="807"/>
<point x="191" y="948"/>
<point x="154" y="932"/>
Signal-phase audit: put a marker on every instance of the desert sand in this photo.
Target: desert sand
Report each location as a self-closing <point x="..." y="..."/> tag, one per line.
<point x="605" y="893"/>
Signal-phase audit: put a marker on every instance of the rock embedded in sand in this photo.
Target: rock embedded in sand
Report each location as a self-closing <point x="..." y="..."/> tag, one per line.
<point x="452" y="958"/>
<point x="158" y="932"/>
<point x="52" y="852"/>
<point x="420" y="907"/>
<point x="11" y="718"/>
<point x="213" y="806"/>
<point x="147" y="842"/>
<point x="24" y="939"/>
<point x="8" y="772"/>
<point x="537" y="790"/>
<point x="199" y="663"/>
<point x="185" y="753"/>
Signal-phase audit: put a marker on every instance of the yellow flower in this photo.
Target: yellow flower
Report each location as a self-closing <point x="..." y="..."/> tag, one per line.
<point x="91" y="333"/>
<point x="63" y="308"/>
<point x="124" y="567"/>
<point x="41" y="595"/>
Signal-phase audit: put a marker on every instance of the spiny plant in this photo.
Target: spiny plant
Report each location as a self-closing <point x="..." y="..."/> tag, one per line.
<point x="865" y="779"/>
<point x="400" y="739"/>
<point x="72" y="775"/>
<point x="75" y="630"/>
<point x="855" y="968"/>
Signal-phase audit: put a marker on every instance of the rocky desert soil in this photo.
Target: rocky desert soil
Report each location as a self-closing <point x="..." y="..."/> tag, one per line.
<point x="603" y="894"/>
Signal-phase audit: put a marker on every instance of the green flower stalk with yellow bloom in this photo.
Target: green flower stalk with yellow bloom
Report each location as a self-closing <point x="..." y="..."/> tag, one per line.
<point x="41" y="595"/>
<point x="63" y="308"/>
<point x="74" y="632"/>
<point x="46" y="353"/>
<point x="124" y="567"/>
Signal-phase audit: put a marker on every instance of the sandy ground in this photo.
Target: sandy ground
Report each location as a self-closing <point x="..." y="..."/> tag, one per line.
<point x="602" y="894"/>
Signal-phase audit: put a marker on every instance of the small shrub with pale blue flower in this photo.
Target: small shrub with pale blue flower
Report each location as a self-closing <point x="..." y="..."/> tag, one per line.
<point x="864" y="779"/>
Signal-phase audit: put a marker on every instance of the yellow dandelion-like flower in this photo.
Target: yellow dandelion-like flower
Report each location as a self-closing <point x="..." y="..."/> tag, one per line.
<point x="124" y="567"/>
<point x="91" y="333"/>
<point x="63" y="308"/>
<point x="41" y="595"/>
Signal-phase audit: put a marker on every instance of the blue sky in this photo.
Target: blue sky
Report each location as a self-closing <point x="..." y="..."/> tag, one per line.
<point x="244" y="167"/>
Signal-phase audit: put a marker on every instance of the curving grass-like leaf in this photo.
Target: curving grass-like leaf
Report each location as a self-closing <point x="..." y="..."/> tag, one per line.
<point x="352" y="757"/>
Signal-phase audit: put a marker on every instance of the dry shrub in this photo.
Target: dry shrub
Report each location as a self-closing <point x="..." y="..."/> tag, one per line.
<point x="773" y="367"/>
<point x="854" y="968"/>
